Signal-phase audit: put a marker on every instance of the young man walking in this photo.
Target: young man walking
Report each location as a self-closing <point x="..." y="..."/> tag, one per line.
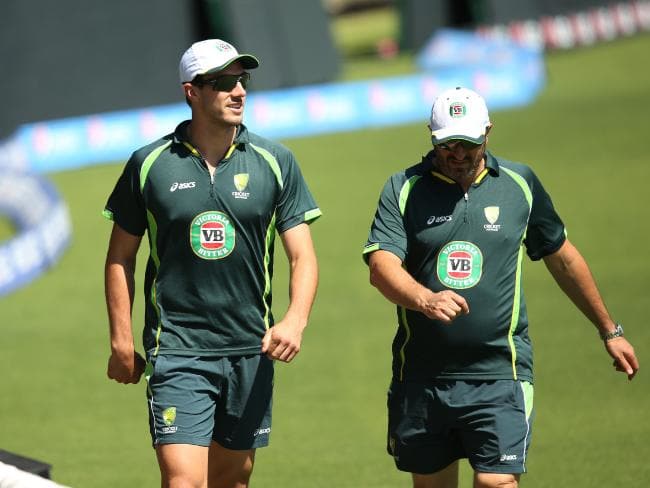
<point x="211" y="197"/>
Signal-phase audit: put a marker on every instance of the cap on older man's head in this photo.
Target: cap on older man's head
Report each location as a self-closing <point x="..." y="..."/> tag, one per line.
<point x="459" y="113"/>
<point x="210" y="56"/>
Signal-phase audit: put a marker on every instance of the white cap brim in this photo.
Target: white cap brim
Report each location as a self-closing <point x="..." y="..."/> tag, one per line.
<point x="248" y="61"/>
<point x="471" y="134"/>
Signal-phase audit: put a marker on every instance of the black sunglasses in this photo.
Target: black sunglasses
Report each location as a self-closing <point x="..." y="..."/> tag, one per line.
<point x="453" y="144"/>
<point x="225" y="82"/>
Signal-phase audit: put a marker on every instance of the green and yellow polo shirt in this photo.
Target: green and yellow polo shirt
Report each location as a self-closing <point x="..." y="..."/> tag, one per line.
<point x="472" y="243"/>
<point x="208" y="277"/>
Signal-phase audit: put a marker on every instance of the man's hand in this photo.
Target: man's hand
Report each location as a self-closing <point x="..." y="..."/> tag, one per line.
<point x="282" y="341"/>
<point x="389" y="276"/>
<point x="125" y="368"/>
<point x="444" y="306"/>
<point x="625" y="360"/>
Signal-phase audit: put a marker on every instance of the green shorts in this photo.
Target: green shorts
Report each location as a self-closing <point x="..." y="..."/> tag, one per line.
<point x="431" y="425"/>
<point x="195" y="400"/>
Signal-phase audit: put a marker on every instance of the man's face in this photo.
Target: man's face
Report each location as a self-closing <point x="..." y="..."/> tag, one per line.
<point x="460" y="160"/>
<point x="225" y="104"/>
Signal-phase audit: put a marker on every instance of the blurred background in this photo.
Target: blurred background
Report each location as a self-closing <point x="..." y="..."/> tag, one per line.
<point x="347" y="86"/>
<point x="79" y="58"/>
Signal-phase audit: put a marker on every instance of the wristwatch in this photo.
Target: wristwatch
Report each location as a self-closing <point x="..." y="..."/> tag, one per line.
<point x="617" y="332"/>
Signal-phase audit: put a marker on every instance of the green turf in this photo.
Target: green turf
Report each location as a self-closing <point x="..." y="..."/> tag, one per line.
<point x="357" y="34"/>
<point x="6" y="228"/>
<point x="585" y="137"/>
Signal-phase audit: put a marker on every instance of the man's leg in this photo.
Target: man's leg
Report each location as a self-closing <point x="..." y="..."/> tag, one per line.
<point x="498" y="431"/>
<point x="496" y="480"/>
<point x="183" y="465"/>
<point x="445" y="478"/>
<point x="242" y="421"/>
<point x="228" y="468"/>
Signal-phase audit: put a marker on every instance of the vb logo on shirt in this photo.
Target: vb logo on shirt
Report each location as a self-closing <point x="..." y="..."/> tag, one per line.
<point x="212" y="235"/>
<point x="460" y="265"/>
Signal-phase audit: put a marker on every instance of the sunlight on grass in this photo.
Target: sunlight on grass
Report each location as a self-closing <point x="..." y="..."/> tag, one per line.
<point x="372" y="67"/>
<point x="367" y="42"/>
<point x="357" y="34"/>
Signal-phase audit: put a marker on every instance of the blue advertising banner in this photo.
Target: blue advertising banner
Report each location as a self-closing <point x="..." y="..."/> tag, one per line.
<point x="507" y="75"/>
<point x="43" y="227"/>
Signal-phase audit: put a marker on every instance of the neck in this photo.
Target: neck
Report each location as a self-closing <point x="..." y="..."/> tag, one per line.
<point x="471" y="178"/>
<point x="212" y="142"/>
<point x="464" y="178"/>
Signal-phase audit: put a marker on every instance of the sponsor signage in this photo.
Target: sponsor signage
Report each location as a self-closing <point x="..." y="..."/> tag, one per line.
<point x="42" y="223"/>
<point x="460" y="265"/>
<point x="294" y="112"/>
<point x="212" y="235"/>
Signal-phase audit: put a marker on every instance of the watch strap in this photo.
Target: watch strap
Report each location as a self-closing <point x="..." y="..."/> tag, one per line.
<point x="617" y="332"/>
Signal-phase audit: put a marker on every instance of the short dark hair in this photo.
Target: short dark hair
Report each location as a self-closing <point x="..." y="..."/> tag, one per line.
<point x="198" y="80"/>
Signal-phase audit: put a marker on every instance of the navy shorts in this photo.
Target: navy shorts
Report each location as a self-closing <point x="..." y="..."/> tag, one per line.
<point x="195" y="400"/>
<point x="431" y="425"/>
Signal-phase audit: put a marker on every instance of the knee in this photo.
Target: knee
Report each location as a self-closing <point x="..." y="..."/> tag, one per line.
<point x="179" y="481"/>
<point x="236" y="475"/>
<point x="495" y="480"/>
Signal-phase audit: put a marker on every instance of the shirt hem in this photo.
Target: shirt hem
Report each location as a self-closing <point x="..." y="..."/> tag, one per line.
<point x="245" y="351"/>
<point x="466" y="377"/>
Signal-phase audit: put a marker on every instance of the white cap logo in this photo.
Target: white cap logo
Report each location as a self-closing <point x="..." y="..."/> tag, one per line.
<point x="457" y="109"/>
<point x="459" y="113"/>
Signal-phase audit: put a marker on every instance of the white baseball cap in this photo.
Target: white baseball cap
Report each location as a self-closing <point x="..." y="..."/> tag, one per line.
<point x="210" y="56"/>
<point x="459" y="113"/>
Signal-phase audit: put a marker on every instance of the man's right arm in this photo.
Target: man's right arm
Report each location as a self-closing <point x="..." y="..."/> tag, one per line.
<point x="399" y="287"/>
<point x="125" y="365"/>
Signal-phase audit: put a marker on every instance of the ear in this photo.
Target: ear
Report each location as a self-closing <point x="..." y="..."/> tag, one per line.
<point x="189" y="90"/>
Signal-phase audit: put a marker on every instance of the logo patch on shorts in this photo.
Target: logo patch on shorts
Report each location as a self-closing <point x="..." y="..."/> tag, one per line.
<point x="460" y="265"/>
<point x="169" y="417"/>
<point x="212" y="235"/>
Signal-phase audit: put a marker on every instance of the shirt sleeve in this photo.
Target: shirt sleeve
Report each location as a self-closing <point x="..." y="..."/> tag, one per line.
<point x="546" y="232"/>
<point x="295" y="205"/>
<point x="387" y="231"/>
<point x="125" y="205"/>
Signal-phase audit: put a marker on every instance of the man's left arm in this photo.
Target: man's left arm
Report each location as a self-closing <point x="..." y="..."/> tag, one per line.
<point x="282" y="341"/>
<point x="571" y="272"/>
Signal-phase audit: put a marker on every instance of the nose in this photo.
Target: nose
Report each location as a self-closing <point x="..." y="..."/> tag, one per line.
<point x="239" y="89"/>
<point x="459" y="151"/>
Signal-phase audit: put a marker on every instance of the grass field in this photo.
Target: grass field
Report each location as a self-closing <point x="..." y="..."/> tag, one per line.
<point x="584" y="136"/>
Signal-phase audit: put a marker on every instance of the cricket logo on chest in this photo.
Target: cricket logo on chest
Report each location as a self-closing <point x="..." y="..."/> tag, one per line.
<point x="460" y="265"/>
<point x="241" y="181"/>
<point x="212" y="235"/>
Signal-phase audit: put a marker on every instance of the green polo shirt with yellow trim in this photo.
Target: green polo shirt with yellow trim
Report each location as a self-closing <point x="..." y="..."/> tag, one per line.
<point x="208" y="277"/>
<point x="473" y="244"/>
